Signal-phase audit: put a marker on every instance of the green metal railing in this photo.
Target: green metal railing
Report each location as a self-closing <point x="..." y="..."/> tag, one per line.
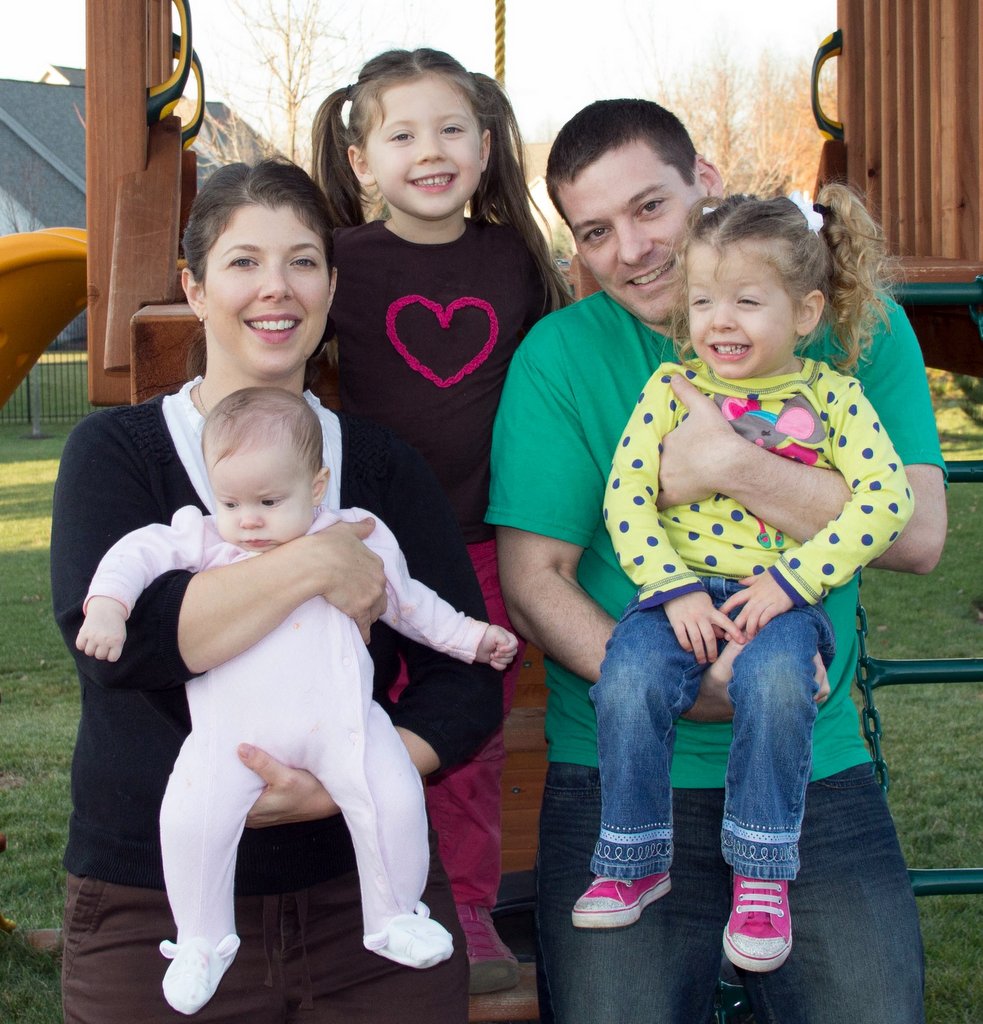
<point x="948" y="293"/>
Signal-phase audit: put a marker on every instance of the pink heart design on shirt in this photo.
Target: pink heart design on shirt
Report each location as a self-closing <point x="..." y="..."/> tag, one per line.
<point x="444" y="317"/>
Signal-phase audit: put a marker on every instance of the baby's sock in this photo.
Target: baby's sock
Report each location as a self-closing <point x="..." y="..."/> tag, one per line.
<point x="412" y="940"/>
<point x="196" y="969"/>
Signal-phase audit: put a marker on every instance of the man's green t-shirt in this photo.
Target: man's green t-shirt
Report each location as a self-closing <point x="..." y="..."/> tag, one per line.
<point x="570" y="390"/>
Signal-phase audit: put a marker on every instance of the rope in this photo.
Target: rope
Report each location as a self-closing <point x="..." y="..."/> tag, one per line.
<point x="500" y="41"/>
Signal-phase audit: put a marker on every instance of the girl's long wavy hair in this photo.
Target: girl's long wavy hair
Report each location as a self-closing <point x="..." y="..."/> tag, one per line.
<point x="847" y="260"/>
<point x="502" y="196"/>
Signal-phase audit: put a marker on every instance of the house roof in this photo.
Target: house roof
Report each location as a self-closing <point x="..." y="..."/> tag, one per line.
<point x="224" y="137"/>
<point x="42" y="152"/>
<point x="42" y="149"/>
<point x="59" y="75"/>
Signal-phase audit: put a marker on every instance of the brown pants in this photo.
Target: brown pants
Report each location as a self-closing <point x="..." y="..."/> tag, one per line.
<point x="301" y="960"/>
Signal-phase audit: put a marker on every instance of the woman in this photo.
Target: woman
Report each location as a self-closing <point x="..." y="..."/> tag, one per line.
<point x="259" y="278"/>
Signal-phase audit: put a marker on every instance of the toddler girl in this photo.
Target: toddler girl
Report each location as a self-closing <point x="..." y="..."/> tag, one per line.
<point x="758" y="278"/>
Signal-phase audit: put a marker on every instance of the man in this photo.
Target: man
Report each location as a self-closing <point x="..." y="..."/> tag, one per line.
<point x="624" y="174"/>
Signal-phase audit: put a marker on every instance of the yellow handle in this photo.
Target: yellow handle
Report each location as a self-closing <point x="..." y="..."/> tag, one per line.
<point x="831" y="46"/>
<point x="163" y="98"/>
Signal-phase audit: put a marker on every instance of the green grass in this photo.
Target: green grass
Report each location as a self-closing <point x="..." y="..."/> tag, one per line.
<point x="39" y="713"/>
<point x="931" y="742"/>
<point x="930" y="732"/>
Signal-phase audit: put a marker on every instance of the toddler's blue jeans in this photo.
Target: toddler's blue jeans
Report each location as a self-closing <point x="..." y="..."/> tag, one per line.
<point x="647" y="681"/>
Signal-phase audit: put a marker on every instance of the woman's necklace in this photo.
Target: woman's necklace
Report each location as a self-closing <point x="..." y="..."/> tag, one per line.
<point x="197" y="400"/>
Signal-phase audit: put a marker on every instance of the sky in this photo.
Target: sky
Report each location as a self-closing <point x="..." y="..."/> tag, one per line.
<point x="560" y="54"/>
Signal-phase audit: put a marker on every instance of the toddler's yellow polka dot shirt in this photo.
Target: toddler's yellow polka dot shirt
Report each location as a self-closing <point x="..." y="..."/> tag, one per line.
<point x="816" y="416"/>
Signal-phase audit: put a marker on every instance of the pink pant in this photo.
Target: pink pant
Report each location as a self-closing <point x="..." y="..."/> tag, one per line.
<point x="465" y="803"/>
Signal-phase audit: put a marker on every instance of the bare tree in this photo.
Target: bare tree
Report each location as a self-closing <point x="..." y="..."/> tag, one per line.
<point x="225" y="137"/>
<point x="754" y="122"/>
<point x="296" y="47"/>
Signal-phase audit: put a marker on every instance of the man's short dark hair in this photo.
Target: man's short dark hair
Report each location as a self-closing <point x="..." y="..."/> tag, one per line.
<point x="611" y="124"/>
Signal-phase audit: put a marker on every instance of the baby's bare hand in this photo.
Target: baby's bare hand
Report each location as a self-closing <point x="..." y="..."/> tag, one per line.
<point x="498" y="648"/>
<point x="100" y="646"/>
<point x="103" y="631"/>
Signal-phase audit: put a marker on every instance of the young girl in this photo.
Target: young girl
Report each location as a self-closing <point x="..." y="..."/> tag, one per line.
<point x="263" y="452"/>
<point x="430" y="307"/>
<point x="758" y="277"/>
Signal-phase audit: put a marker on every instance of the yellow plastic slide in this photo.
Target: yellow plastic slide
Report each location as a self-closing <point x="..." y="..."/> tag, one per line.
<point x="42" y="289"/>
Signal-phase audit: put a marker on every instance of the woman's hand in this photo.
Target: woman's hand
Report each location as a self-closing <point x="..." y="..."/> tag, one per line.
<point x="228" y="609"/>
<point x="290" y="794"/>
<point x="354" y="580"/>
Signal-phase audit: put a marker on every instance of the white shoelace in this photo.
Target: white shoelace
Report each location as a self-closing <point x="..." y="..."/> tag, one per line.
<point x="761" y="902"/>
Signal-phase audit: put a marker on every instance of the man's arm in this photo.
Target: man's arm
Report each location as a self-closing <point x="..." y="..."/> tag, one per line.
<point x="919" y="547"/>
<point x="550" y="609"/>
<point x="704" y="455"/>
<point x="546" y="603"/>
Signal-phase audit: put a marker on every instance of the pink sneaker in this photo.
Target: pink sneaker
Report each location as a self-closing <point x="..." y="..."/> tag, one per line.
<point x="493" y="965"/>
<point x="758" y="936"/>
<point x="615" y="902"/>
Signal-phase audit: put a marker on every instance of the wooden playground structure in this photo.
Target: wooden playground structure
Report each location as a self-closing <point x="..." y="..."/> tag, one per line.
<point x="910" y="100"/>
<point x="910" y="104"/>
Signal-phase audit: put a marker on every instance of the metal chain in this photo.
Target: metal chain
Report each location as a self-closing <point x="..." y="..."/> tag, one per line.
<point x="870" y="718"/>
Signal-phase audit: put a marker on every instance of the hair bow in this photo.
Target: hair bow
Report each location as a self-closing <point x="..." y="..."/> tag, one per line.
<point x="813" y="217"/>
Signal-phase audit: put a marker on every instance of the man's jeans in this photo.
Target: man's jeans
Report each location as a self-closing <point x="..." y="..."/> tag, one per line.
<point x="647" y="681"/>
<point x="856" y="952"/>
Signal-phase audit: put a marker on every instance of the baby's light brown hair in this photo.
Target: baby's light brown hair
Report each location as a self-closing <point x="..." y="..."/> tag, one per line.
<point x="260" y="418"/>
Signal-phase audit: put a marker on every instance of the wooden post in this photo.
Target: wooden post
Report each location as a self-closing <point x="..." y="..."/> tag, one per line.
<point x="850" y="87"/>
<point x="911" y="98"/>
<point x="128" y="48"/>
<point x="921" y="127"/>
<point x="887" y="116"/>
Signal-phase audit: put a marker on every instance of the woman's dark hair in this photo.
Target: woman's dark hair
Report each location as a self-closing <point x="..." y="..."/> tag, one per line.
<point x="273" y="183"/>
